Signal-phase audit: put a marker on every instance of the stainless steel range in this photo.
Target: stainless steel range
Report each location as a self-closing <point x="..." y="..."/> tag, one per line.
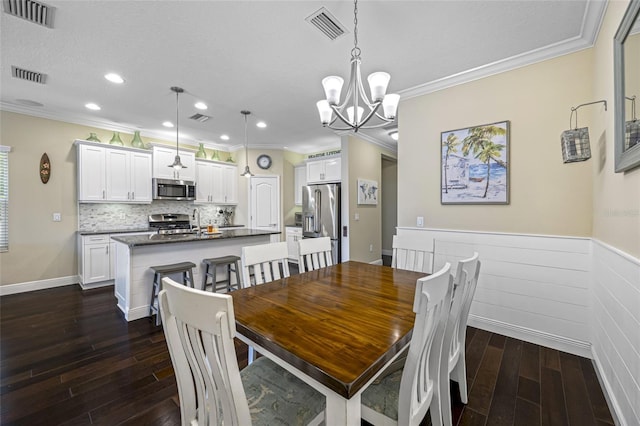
<point x="170" y="223"/>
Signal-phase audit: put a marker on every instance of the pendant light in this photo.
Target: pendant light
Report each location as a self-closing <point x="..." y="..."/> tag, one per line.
<point x="247" y="173"/>
<point x="177" y="164"/>
<point x="351" y="112"/>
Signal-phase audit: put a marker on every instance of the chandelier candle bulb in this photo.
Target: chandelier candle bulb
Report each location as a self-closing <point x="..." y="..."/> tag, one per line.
<point x="378" y="82"/>
<point x="332" y="88"/>
<point x="325" y="111"/>
<point x="390" y="105"/>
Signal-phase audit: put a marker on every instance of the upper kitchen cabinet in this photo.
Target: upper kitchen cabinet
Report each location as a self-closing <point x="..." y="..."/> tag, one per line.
<point x="164" y="156"/>
<point x="216" y="183"/>
<point x="323" y="171"/>
<point x="300" y="180"/>
<point x="113" y="174"/>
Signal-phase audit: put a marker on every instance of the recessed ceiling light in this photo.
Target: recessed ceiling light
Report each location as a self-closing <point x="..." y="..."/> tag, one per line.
<point x="92" y="106"/>
<point x="261" y="124"/>
<point x="224" y="137"/>
<point x="114" y="78"/>
<point x="167" y="124"/>
<point x="394" y="135"/>
<point x="200" y="105"/>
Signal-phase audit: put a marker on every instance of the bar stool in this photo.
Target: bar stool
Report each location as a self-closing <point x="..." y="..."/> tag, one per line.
<point x="210" y="271"/>
<point x="160" y="272"/>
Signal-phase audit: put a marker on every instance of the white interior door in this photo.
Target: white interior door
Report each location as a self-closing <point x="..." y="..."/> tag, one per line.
<point x="264" y="202"/>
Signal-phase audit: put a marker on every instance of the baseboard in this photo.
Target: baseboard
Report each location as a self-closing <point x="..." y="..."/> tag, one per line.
<point x="136" y="313"/>
<point x="549" y="340"/>
<point x="376" y="262"/>
<point x="97" y="285"/>
<point x="38" y="285"/>
<point x="609" y="395"/>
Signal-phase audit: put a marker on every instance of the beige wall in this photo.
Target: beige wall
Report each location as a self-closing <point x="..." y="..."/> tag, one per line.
<point x="616" y="196"/>
<point x="389" y="202"/>
<point x="365" y="161"/>
<point x="291" y="160"/>
<point x="39" y="248"/>
<point x="546" y="196"/>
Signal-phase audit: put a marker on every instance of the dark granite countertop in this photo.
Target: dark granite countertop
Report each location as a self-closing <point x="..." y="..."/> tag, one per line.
<point x="116" y="231"/>
<point x="147" y="240"/>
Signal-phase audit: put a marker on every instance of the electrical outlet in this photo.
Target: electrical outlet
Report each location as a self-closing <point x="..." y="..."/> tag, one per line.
<point x="356" y="216"/>
<point x="57" y="217"/>
<point x="420" y="222"/>
<point x="371" y="248"/>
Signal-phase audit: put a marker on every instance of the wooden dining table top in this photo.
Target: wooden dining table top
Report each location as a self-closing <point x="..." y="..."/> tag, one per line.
<point x="339" y="325"/>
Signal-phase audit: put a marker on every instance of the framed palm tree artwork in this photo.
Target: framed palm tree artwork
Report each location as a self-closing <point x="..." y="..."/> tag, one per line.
<point x="475" y="165"/>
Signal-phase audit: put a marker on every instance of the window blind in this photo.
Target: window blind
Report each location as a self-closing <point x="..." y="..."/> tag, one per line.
<point x="4" y="198"/>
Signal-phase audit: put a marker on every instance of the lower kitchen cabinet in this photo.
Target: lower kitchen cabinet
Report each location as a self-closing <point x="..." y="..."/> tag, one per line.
<point x="96" y="266"/>
<point x="293" y="235"/>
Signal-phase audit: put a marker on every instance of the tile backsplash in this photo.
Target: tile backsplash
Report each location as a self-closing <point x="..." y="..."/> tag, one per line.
<point x="98" y="217"/>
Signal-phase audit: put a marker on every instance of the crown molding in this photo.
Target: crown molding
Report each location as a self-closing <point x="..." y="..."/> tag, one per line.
<point x="388" y="146"/>
<point x="591" y="23"/>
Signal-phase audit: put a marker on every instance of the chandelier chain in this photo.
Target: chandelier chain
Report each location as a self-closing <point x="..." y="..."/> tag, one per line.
<point x="355" y="52"/>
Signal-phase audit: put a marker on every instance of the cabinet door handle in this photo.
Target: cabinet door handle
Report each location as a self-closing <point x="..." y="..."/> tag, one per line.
<point x="104" y="194"/>
<point x="107" y="248"/>
<point x="133" y="195"/>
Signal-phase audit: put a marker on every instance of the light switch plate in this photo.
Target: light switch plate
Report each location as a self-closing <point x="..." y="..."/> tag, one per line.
<point x="420" y="221"/>
<point x="57" y="217"/>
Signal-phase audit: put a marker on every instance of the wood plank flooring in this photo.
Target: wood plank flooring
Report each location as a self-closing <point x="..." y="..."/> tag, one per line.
<point x="68" y="357"/>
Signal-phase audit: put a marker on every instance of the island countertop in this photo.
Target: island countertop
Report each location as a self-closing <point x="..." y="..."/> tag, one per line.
<point x="147" y="240"/>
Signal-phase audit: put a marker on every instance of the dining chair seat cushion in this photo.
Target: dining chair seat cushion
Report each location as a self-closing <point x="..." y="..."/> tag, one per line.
<point x="382" y="396"/>
<point x="276" y="397"/>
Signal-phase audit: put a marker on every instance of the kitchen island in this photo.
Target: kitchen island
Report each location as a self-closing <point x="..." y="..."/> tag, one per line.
<point x="135" y="254"/>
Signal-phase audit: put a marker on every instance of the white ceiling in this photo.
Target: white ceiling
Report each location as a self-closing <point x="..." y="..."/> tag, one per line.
<point x="263" y="56"/>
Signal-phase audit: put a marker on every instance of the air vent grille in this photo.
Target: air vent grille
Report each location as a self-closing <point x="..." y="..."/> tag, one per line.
<point x="33" y="76"/>
<point x="200" y="117"/>
<point x="32" y="11"/>
<point x="323" y="20"/>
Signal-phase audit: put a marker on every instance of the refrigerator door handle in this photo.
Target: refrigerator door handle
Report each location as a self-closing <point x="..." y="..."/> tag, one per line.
<point x="318" y="210"/>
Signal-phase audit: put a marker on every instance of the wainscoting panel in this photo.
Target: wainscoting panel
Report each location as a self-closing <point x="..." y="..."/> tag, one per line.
<point x="616" y="329"/>
<point x="531" y="287"/>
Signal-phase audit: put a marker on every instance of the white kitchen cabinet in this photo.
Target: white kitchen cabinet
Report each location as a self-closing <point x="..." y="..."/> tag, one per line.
<point x="95" y="265"/>
<point x="113" y="174"/>
<point x="216" y="183"/>
<point x="323" y="171"/>
<point x="293" y="235"/>
<point x="164" y="156"/>
<point x="300" y="180"/>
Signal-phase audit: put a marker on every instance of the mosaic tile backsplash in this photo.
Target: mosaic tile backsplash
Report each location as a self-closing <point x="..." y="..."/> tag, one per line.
<point x="99" y="217"/>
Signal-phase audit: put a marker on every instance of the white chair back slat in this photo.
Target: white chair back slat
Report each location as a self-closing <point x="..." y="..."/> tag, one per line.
<point x="453" y="364"/>
<point x="264" y="263"/>
<point x="419" y="386"/>
<point x="314" y="253"/>
<point x="412" y="252"/>
<point x="199" y="328"/>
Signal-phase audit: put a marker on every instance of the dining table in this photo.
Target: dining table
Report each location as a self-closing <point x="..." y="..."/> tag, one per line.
<point x="336" y="328"/>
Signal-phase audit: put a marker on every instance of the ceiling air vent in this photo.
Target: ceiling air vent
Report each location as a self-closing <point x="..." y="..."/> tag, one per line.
<point x="21" y="73"/>
<point x="200" y="117"/>
<point x="32" y="11"/>
<point x="323" y="20"/>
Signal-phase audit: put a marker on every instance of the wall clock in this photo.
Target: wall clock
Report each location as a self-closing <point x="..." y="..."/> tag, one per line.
<point x="264" y="161"/>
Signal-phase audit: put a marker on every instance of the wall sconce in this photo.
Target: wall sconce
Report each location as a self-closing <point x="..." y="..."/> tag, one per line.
<point x="575" y="143"/>
<point x="632" y="128"/>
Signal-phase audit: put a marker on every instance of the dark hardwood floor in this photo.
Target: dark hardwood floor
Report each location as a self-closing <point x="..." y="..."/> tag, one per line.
<point x="68" y="357"/>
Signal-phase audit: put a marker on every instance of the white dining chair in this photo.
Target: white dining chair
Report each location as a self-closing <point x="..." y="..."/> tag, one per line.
<point x="314" y="253"/>
<point x="453" y="365"/>
<point x="199" y="327"/>
<point x="264" y="263"/>
<point x="404" y="396"/>
<point x="413" y="253"/>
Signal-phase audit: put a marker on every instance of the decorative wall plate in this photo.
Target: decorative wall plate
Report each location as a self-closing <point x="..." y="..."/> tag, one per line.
<point x="45" y="168"/>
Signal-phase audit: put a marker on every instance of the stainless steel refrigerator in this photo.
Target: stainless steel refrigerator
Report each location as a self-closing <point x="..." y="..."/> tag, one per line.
<point x="321" y="214"/>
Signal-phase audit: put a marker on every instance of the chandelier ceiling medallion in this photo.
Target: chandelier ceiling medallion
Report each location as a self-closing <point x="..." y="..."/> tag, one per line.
<point x="177" y="164"/>
<point x="356" y="99"/>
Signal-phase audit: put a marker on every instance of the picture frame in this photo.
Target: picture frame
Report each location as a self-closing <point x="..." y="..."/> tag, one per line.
<point x="368" y="192"/>
<point x="474" y="164"/>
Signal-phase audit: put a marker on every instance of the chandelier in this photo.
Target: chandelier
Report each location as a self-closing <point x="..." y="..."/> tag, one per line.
<point x="177" y="164"/>
<point x="356" y="99"/>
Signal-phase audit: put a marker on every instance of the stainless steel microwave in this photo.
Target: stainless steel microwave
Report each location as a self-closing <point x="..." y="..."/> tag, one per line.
<point x="169" y="189"/>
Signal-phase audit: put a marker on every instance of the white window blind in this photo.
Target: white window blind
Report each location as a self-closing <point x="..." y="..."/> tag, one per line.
<point x="4" y="197"/>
